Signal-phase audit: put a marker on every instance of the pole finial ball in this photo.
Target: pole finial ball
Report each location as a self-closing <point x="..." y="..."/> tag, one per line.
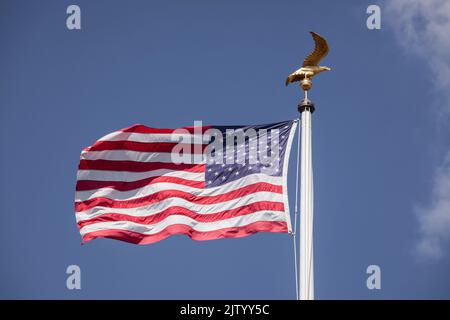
<point x="306" y="84"/>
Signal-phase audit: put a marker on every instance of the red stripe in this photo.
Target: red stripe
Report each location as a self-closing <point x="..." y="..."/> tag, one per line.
<point x="83" y="185"/>
<point x="233" y="232"/>
<point x="134" y="166"/>
<point x="158" y="217"/>
<point x="162" y="195"/>
<point x="139" y="128"/>
<point x="145" y="146"/>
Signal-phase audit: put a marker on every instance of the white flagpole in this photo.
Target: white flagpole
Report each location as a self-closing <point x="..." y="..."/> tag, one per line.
<point x="308" y="70"/>
<point x="306" y="266"/>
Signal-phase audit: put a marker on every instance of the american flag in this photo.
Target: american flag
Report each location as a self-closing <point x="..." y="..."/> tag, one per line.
<point x="142" y="184"/>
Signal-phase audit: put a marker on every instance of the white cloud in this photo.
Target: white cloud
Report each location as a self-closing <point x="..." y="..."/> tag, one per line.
<point x="435" y="218"/>
<point x="423" y="29"/>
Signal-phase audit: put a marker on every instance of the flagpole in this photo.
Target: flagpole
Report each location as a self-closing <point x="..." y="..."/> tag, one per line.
<point x="309" y="69"/>
<point x="306" y="263"/>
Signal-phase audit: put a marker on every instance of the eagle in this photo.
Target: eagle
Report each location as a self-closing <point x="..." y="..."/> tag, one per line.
<point x="311" y="66"/>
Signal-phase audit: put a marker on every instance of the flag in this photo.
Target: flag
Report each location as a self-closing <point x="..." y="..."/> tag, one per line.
<point x="142" y="184"/>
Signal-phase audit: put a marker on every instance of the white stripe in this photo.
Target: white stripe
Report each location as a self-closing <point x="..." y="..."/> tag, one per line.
<point x="155" y="137"/>
<point x="106" y="175"/>
<point x="179" y="219"/>
<point x="285" y="174"/>
<point x="157" y="207"/>
<point x="160" y="186"/>
<point x="128" y="155"/>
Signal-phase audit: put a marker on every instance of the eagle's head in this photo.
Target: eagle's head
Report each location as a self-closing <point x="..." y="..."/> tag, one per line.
<point x="324" y="69"/>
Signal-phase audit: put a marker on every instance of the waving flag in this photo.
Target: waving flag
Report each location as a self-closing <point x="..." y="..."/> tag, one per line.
<point x="142" y="184"/>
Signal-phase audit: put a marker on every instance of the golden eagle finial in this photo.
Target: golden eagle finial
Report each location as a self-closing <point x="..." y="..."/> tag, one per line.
<point x="311" y="66"/>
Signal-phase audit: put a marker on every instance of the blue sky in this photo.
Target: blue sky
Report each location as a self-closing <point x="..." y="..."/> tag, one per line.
<point x="379" y="132"/>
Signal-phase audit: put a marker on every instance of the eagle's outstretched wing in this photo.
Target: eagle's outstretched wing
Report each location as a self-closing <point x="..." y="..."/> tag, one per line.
<point x="320" y="51"/>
